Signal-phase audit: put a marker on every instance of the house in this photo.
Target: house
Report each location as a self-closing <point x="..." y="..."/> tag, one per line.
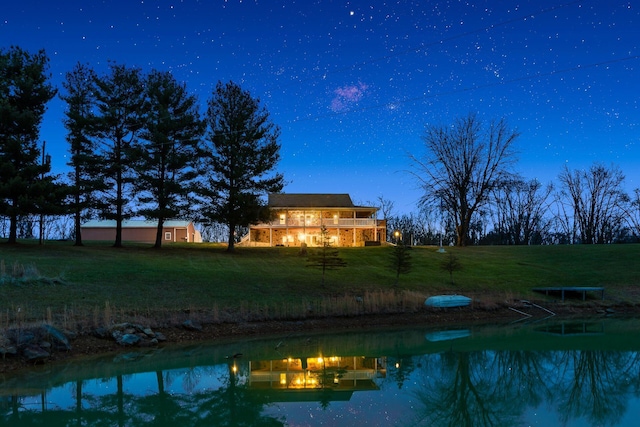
<point x="141" y="231"/>
<point x="297" y="219"/>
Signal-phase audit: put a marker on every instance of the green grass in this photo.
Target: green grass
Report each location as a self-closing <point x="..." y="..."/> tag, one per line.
<point x="106" y="283"/>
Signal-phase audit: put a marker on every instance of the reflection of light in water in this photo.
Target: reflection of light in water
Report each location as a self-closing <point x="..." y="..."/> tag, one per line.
<point x="425" y="378"/>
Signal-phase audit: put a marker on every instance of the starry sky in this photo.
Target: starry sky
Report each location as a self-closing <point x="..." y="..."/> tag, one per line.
<point x="352" y="84"/>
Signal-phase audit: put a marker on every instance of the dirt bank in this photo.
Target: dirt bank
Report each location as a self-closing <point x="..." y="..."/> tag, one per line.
<point x="86" y="345"/>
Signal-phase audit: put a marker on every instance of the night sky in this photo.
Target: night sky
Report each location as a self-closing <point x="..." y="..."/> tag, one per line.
<point x="352" y="84"/>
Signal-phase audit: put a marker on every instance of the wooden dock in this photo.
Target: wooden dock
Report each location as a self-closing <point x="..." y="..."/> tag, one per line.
<point x="577" y="289"/>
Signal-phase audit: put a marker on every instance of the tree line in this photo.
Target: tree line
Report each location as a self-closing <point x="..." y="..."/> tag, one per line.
<point x="471" y="195"/>
<point x="138" y="147"/>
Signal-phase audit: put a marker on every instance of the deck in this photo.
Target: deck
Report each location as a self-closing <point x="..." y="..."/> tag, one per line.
<point x="576" y="289"/>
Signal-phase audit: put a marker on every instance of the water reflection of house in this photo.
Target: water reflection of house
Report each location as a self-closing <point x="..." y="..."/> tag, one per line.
<point x="297" y="219"/>
<point x="301" y="379"/>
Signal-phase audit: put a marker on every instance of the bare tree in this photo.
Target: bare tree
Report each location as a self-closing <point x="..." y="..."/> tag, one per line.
<point x="634" y="213"/>
<point x="520" y="212"/>
<point x="596" y="199"/>
<point x="463" y="165"/>
<point x="386" y="207"/>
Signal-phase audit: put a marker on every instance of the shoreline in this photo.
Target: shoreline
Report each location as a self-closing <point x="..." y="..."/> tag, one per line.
<point x="86" y="345"/>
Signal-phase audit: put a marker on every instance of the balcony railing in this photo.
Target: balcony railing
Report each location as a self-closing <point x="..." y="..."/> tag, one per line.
<point x="328" y="222"/>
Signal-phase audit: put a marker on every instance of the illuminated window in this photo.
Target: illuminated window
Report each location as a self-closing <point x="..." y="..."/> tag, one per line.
<point x="283" y="219"/>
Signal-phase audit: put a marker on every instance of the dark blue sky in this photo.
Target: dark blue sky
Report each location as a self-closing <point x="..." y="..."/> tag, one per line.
<point x="352" y="84"/>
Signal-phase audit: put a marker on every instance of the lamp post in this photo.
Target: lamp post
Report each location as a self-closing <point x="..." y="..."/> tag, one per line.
<point x="397" y="235"/>
<point x="441" y="249"/>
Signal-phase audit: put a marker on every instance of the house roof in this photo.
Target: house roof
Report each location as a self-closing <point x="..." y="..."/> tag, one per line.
<point x="135" y="223"/>
<point x="314" y="200"/>
<point x="308" y="200"/>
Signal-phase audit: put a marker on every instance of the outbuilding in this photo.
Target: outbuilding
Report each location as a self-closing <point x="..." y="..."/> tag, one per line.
<point x="141" y="231"/>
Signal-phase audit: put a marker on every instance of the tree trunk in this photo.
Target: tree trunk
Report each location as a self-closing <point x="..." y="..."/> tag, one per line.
<point x="118" y="242"/>
<point x="78" y="216"/>
<point x="13" y="230"/>
<point x="158" y="243"/>
<point x="78" y="221"/>
<point x="232" y="240"/>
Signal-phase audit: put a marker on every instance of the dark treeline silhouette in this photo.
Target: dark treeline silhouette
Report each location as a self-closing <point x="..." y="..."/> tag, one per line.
<point x="584" y="207"/>
<point x="472" y="195"/>
<point x="139" y="147"/>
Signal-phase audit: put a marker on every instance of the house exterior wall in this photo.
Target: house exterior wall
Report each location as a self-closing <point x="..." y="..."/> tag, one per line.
<point x="98" y="233"/>
<point x="292" y="227"/>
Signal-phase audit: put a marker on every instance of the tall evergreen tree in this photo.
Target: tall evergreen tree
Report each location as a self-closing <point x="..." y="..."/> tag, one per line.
<point x="241" y="152"/>
<point x="25" y="184"/>
<point x="118" y="122"/>
<point x="165" y="156"/>
<point x="85" y="162"/>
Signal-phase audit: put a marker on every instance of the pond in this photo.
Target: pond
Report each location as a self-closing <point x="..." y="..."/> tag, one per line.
<point x="570" y="373"/>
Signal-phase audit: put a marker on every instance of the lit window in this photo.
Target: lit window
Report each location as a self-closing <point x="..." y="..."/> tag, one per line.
<point x="283" y="219"/>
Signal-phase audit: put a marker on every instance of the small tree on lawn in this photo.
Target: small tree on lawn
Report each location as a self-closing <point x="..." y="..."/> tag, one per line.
<point x="325" y="257"/>
<point x="451" y="264"/>
<point x="401" y="260"/>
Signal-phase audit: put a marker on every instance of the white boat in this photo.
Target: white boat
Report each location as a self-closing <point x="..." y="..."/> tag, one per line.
<point x="447" y="301"/>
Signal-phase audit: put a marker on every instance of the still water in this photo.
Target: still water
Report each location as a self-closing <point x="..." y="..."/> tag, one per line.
<point x="572" y="373"/>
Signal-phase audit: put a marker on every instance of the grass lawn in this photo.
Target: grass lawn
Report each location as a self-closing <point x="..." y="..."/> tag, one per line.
<point x="100" y="281"/>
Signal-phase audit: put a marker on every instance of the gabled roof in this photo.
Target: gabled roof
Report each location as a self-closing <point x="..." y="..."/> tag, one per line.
<point x="309" y="200"/>
<point x="135" y="223"/>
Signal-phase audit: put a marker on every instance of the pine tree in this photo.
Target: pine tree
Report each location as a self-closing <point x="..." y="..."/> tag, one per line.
<point x="401" y="260"/>
<point x="326" y="257"/>
<point x="26" y="187"/>
<point x="119" y="100"/>
<point x="85" y="162"/>
<point x="451" y="264"/>
<point x="165" y="156"/>
<point x="238" y="162"/>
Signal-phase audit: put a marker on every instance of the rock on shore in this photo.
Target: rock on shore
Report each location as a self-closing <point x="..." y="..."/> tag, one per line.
<point x="36" y="344"/>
